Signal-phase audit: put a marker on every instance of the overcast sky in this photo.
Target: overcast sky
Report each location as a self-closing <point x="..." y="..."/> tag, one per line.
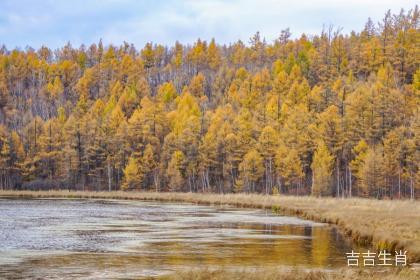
<point x="53" y="23"/>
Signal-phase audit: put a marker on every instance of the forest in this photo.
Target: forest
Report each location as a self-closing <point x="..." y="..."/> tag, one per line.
<point x="331" y="114"/>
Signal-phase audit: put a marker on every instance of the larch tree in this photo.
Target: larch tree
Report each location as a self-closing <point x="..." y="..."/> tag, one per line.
<point x="356" y="165"/>
<point x="289" y="168"/>
<point x="133" y="175"/>
<point x="371" y="175"/>
<point x="322" y="167"/>
<point x="176" y="168"/>
<point x="267" y="144"/>
<point x="208" y="117"/>
<point x="251" y="170"/>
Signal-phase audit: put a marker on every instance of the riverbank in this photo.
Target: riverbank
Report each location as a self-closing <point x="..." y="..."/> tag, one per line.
<point x="390" y="225"/>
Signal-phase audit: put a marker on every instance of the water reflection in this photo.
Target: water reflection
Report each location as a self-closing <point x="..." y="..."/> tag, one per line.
<point x="93" y="238"/>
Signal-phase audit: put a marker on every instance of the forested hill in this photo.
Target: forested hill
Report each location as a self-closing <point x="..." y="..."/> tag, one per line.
<point x="330" y="114"/>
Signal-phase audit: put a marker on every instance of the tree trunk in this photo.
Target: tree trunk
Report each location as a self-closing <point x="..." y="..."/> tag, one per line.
<point x="338" y="179"/>
<point x="109" y="176"/>
<point x="399" y="183"/>
<point x="351" y="185"/>
<point x="411" y="188"/>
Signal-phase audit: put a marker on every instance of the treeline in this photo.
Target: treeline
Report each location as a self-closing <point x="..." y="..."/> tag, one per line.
<point x="329" y="114"/>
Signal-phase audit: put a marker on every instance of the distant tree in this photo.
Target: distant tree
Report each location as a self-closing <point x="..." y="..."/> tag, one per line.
<point x="251" y="170"/>
<point x="322" y="167"/>
<point x="133" y="175"/>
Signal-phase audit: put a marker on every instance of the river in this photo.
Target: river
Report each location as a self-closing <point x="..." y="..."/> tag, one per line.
<point x="117" y="239"/>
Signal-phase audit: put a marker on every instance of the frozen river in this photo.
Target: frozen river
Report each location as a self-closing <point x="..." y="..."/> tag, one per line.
<point x="112" y="239"/>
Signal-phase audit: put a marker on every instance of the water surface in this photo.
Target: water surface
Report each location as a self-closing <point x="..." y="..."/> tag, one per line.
<point x="115" y="239"/>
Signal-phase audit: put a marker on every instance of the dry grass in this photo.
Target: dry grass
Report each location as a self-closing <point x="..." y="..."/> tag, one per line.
<point x="275" y="274"/>
<point x="391" y="225"/>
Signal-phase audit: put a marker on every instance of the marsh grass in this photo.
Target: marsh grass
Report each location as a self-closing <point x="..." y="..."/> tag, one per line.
<point x="382" y="224"/>
<point x="294" y="274"/>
